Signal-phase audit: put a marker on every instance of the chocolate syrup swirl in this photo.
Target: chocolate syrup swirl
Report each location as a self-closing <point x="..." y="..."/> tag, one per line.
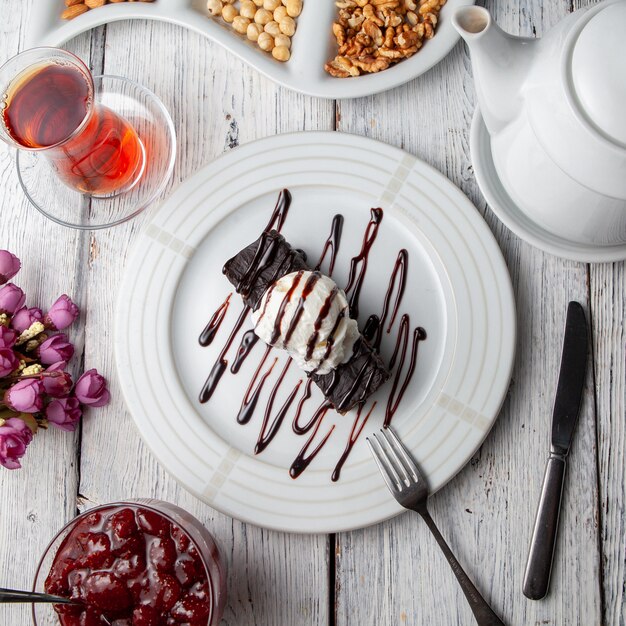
<point x="312" y="280"/>
<point x="251" y="397"/>
<point x="419" y="334"/>
<point x="317" y="325"/>
<point x="398" y="275"/>
<point x="220" y="365"/>
<point x="210" y="330"/>
<point x="358" y="264"/>
<point x="352" y="439"/>
<point x="332" y="244"/>
<point x="248" y="341"/>
<point x="302" y="461"/>
<point x="279" y="215"/>
<point x="373" y="331"/>
<point x="282" y="309"/>
<point x="269" y="430"/>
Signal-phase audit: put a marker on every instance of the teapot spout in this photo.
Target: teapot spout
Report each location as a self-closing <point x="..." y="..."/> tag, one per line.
<point x="500" y="64"/>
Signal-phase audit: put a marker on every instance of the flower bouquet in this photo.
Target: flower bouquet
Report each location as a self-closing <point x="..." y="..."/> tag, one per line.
<point x="35" y="388"/>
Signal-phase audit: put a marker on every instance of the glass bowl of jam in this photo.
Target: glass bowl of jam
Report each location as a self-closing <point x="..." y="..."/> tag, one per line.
<point x="134" y="563"/>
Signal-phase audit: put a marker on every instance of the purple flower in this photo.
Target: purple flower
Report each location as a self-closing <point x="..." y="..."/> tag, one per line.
<point x="25" y="396"/>
<point x="61" y="314"/>
<point x="56" y="383"/>
<point x="91" y="389"/>
<point x="57" y="367"/>
<point x="14" y="439"/>
<point x="54" y="349"/>
<point x="8" y="362"/>
<point x="12" y="298"/>
<point x="64" y="413"/>
<point x="9" y="266"/>
<point x="25" y="317"/>
<point x="7" y="337"/>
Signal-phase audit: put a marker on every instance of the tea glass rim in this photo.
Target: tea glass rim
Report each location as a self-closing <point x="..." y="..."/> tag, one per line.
<point x="144" y="503"/>
<point x="5" y="136"/>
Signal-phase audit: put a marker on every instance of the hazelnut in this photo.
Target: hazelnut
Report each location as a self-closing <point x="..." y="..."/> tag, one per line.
<point x="282" y="40"/>
<point x="247" y="9"/>
<point x="279" y="13"/>
<point x="265" y="41"/>
<point x="294" y="7"/>
<point x="281" y="53"/>
<point x="253" y="31"/>
<point x="229" y="13"/>
<point x="287" y="26"/>
<point x="272" y="28"/>
<point x="262" y="16"/>
<point x="240" y="24"/>
<point x="271" y="5"/>
<point x="214" y="7"/>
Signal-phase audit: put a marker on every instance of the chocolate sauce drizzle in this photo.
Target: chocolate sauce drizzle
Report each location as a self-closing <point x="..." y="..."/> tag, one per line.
<point x="352" y="439"/>
<point x="332" y="244"/>
<point x="279" y="215"/>
<point x="419" y="334"/>
<point x="358" y="264"/>
<point x="220" y="365"/>
<point x="210" y="330"/>
<point x="302" y="461"/>
<point x="251" y="397"/>
<point x="373" y="332"/>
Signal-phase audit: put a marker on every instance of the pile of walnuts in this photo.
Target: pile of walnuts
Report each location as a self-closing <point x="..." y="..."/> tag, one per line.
<point x="374" y="34"/>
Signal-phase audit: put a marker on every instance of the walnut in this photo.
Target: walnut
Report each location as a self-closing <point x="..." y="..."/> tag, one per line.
<point x="372" y="35"/>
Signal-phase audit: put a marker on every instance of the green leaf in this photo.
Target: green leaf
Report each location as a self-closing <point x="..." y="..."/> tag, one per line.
<point x="30" y="421"/>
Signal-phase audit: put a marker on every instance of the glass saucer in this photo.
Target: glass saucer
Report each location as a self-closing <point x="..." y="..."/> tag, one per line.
<point x="68" y="207"/>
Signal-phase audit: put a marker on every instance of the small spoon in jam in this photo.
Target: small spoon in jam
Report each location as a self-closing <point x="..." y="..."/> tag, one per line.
<point x="13" y="595"/>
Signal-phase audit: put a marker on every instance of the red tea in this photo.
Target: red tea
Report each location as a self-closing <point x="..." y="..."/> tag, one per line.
<point x="93" y="149"/>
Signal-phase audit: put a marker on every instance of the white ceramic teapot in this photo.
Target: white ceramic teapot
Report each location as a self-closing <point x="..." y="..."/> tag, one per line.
<point x="555" y="110"/>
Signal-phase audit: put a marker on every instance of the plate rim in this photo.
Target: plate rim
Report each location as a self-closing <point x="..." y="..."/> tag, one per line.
<point x="510" y="325"/>
<point x="188" y="17"/>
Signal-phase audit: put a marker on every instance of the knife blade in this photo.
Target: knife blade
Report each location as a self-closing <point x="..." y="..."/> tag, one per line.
<point x="567" y="404"/>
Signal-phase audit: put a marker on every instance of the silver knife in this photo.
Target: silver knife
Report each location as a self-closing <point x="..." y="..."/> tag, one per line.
<point x="564" y="417"/>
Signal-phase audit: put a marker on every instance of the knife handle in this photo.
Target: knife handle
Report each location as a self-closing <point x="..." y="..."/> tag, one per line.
<point x="539" y="565"/>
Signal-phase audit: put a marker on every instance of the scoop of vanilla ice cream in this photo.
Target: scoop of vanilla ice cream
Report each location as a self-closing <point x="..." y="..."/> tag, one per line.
<point x="306" y="314"/>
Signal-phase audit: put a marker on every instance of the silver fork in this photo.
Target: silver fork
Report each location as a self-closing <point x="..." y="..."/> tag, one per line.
<point x="409" y="488"/>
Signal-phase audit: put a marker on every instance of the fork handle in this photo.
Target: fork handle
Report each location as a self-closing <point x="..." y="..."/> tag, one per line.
<point x="482" y="611"/>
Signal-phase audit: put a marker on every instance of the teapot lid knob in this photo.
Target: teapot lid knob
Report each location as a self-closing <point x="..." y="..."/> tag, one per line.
<point x="599" y="71"/>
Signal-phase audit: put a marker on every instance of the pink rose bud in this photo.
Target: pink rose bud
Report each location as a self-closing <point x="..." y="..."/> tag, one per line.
<point x="64" y="413"/>
<point x="57" y="367"/>
<point x="56" y="383"/>
<point x="7" y="337"/>
<point x="55" y="348"/>
<point x="25" y="396"/>
<point x="91" y="389"/>
<point x="9" y="266"/>
<point x="8" y="362"/>
<point x="12" y="298"/>
<point x="25" y="317"/>
<point x="14" y="439"/>
<point x="61" y="314"/>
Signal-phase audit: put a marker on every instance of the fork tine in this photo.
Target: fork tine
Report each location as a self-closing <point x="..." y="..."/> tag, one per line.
<point x="409" y="463"/>
<point x="380" y="458"/>
<point x="393" y="459"/>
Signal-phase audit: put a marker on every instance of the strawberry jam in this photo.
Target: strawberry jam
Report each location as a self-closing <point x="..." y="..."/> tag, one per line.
<point x="130" y="566"/>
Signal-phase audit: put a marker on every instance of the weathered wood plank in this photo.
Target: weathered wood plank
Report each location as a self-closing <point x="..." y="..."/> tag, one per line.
<point x="216" y="103"/>
<point x="608" y="298"/>
<point x="41" y="497"/>
<point x="394" y="573"/>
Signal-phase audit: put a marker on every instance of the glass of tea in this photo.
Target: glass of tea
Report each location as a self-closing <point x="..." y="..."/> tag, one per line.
<point x="48" y="105"/>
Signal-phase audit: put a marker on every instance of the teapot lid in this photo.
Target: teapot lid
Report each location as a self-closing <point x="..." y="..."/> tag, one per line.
<point x="599" y="71"/>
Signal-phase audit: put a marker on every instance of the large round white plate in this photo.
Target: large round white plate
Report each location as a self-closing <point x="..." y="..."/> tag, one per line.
<point x="514" y="218"/>
<point x="313" y="43"/>
<point x="458" y="289"/>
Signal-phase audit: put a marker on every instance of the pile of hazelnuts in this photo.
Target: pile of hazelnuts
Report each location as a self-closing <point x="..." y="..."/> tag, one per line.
<point x="269" y="23"/>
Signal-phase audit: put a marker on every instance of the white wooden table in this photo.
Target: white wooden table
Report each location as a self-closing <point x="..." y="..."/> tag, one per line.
<point x="391" y="574"/>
